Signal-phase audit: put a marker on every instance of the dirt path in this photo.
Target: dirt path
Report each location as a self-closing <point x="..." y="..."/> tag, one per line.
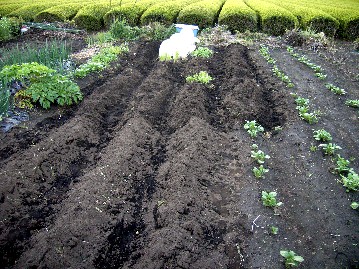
<point x="152" y="172"/>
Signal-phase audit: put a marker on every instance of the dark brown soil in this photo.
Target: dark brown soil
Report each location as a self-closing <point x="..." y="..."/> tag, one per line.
<point x="152" y="172"/>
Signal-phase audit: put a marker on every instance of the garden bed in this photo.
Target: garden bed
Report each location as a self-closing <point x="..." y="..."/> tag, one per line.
<point x="150" y="171"/>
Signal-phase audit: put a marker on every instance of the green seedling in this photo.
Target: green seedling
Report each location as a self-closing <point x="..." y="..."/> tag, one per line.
<point x="335" y="89"/>
<point x="320" y="75"/>
<point x="274" y="230"/>
<point x="269" y="199"/>
<point x="291" y="258"/>
<point x="259" y="155"/>
<point x="259" y="171"/>
<point x="302" y="102"/>
<point x="313" y="148"/>
<point x="201" y="77"/>
<point x="352" y="103"/>
<point x="342" y="165"/>
<point x="330" y="148"/>
<point x="322" y="135"/>
<point x="253" y="128"/>
<point x="311" y="118"/>
<point x="202" y="52"/>
<point x="351" y="181"/>
<point x="354" y="205"/>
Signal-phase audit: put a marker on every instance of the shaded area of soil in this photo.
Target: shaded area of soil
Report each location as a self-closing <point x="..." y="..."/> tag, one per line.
<point x="152" y="172"/>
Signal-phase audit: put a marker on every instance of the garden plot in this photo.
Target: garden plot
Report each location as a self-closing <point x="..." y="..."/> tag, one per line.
<point x="153" y="171"/>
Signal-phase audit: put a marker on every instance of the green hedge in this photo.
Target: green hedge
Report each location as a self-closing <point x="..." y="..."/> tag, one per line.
<point x="131" y="12"/>
<point x="238" y="16"/>
<point x="58" y="13"/>
<point x="90" y="17"/>
<point x="164" y="12"/>
<point x="28" y="12"/>
<point x="274" y="20"/>
<point x="203" y="13"/>
<point x="314" y="19"/>
<point x="345" y="12"/>
<point x="7" y="9"/>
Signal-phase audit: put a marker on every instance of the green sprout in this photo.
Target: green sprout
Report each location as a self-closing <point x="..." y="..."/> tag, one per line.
<point x="260" y="171"/>
<point x="253" y="128"/>
<point x="291" y="258"/>
<point x="269" y="199"/>
<point x="322" y="135"/>
<point x="330" y="148"/>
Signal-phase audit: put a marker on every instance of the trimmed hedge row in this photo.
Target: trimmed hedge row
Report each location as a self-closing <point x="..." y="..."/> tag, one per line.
<point x="90" y="17"/>
<point x="203" y="13"/>
<point x="238" y="16"/>
<point x="346" y="12"/>
<point x="7" y="9"/>
<point x="274" y="20"/>
<point x="164" y="12"/>
<point x="58" y="13"/>
<point x="131" y="12"/>
<point x="314" y="19"/>
<point x="28" y="12"/>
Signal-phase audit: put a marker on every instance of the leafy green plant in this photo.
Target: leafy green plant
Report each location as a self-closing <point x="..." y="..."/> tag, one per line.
<point x="274" y="230"/>
<point x="121" y="30"/>
<point x="342" y="165"/>
<point x="158" y="31"/>
<point x="269" y="199"/>
<point x="202" y="52"/>
<point x="291" y="258"/>
<point x="322" y="135"/>
<point x="42" y="84"/>
<point x="313" y="148"/>
<point x="8" y="28"/>
<point x="351" y="181"/>
<point x="258" y="155"/>
<point x="320" y="75"/>
<point x="311" y="118"/>
<point x="253" y="128"/>
<point x="101" y="60"/>
<point x="201" y="77"/>
<point x="335" y="89"/>
<point x="352" y="103"/>
<point x="259" y="171"/>
<point x="354" y="205"/>
<point x="330" y="148"/>
<point x="302" y="102"/>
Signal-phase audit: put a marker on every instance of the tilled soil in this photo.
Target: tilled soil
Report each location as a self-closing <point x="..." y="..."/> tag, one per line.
<point x="152" y="172"/>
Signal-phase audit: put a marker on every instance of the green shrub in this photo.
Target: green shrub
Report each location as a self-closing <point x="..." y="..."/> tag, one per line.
<point x="164" y="12"/>
<point x="7" y="9"/>
<point x="131" y="12"/>
<point x="312" y="18"/>
<point x="4" y="102"/>
<point x="28" y="12"/>
<point x="43" y="84"/>
<point x="238" y="16"/>
<point x="90" y="17"/>
<point x="58" y="13"/>
<point x="158" y="31"/>
<point x="274" y="20"/>
<point x="203" y="13"/>
<point x="5" y="29"/>
<point x="121" y="30"/>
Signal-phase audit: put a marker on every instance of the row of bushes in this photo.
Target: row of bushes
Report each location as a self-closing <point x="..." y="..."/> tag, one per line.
<point x="238" y="16"/>
<point x="274" y="20"/>
<point x="315" y="19"/>
<point x="272" y="16"/>
<point x="166" y="13"/>
<point x="203" y="13"/>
